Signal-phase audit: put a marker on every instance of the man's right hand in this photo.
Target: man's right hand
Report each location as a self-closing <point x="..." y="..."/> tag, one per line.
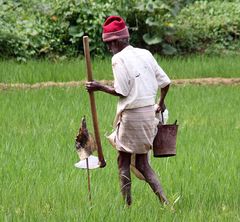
<point x="93" y="86"/>
<point x="96" y="86"/>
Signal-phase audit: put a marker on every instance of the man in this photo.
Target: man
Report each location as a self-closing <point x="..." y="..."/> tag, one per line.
<point x="137" y="78"/>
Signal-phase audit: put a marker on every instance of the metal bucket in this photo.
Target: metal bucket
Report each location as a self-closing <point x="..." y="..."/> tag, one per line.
<point x="164" y="144"/>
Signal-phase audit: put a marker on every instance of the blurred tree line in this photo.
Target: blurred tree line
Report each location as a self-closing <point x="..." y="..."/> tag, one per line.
<point x="54" y="28"/>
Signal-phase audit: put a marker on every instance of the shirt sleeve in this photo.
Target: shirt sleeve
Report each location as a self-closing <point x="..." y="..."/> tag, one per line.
<point x="162" y="78"/>
<point x="121" y="78"/>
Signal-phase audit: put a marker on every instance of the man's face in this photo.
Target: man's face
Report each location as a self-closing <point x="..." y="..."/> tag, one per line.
<point x="113" y="47"/>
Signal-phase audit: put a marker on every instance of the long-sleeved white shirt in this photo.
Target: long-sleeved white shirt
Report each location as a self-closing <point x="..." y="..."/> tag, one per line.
<point x="137" y="76"/>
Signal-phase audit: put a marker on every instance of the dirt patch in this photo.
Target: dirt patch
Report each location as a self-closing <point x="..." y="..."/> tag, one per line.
<point x="208" y="81"/>
<point x="200" y="81"/>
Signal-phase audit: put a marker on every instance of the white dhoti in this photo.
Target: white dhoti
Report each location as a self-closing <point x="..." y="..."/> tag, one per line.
<point x="135" y="133"/>
<point x="135" y="130"/>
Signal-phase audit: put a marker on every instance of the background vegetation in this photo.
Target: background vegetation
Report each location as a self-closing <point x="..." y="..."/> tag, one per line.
<point x="53" y="29"/>
<point x="74" y="69"/>
<point x="37" y="155"/>
<point x="38" y="180"/>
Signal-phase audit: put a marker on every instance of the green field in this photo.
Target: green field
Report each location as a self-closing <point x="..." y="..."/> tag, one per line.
<point x="37" y="154"/>
<point x="176" y="68"/>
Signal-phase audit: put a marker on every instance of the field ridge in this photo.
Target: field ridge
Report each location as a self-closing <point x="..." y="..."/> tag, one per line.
<point x="198" y="81"/>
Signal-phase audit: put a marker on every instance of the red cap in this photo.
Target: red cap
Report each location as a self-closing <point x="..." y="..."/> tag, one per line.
<point x="114" y="28"/>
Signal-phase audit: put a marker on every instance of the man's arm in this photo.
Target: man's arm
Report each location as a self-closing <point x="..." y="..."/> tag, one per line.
<point x="96" y="86"/>
<point x="161" y="104"/>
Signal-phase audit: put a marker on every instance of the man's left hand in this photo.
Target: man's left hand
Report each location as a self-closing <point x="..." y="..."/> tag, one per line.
<point x="161" y="108"/>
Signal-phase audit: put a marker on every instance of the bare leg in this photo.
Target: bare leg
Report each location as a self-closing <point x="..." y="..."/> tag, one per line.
<point x="124" y="160"/>
<point x="143" y="166"/>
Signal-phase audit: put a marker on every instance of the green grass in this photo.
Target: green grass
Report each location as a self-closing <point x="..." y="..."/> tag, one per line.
<point x="42" y="71"/>
<point x="201" y="66"/>
<point x="74" y="70"/>
<point x="40" y="183"/>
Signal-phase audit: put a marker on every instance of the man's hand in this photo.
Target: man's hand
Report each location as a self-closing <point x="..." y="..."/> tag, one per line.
<point x="96" y="86"/>
<point x="93" y="86"/>
<point x="161" y="107"/>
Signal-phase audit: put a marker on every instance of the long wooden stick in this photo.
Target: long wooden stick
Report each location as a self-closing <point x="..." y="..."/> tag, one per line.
<point x="102" y="162"/>
<point x="89" y="182"/>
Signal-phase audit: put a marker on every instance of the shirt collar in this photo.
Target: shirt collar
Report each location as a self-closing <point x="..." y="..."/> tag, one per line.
<point x="129" y="47"/>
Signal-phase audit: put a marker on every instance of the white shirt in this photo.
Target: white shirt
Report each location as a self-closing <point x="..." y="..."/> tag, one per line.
<point x="137" y="76"/>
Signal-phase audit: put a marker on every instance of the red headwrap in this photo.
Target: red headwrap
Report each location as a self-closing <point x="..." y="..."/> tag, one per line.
<point x="114" y="28"/>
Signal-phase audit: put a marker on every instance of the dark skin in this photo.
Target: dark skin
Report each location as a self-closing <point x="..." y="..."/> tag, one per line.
<point x="124" y="159"/>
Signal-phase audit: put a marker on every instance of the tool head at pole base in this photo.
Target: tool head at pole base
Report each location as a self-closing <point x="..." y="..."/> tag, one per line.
<point x="102" y="163"/>
<point x="93" y="163"/>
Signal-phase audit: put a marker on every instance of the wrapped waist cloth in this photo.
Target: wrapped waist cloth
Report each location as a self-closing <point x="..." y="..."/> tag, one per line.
<point x="135" y="130"/>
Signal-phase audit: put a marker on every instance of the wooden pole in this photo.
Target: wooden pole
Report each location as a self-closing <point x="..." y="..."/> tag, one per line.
<point x="102" y="162"/>
<point x="89" y="182"/>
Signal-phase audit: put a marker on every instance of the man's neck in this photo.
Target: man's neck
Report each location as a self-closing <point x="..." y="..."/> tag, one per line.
<point x="123" y="47"/>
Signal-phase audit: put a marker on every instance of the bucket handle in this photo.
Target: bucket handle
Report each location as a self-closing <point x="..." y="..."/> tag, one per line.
<point x="175" y="123"/>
